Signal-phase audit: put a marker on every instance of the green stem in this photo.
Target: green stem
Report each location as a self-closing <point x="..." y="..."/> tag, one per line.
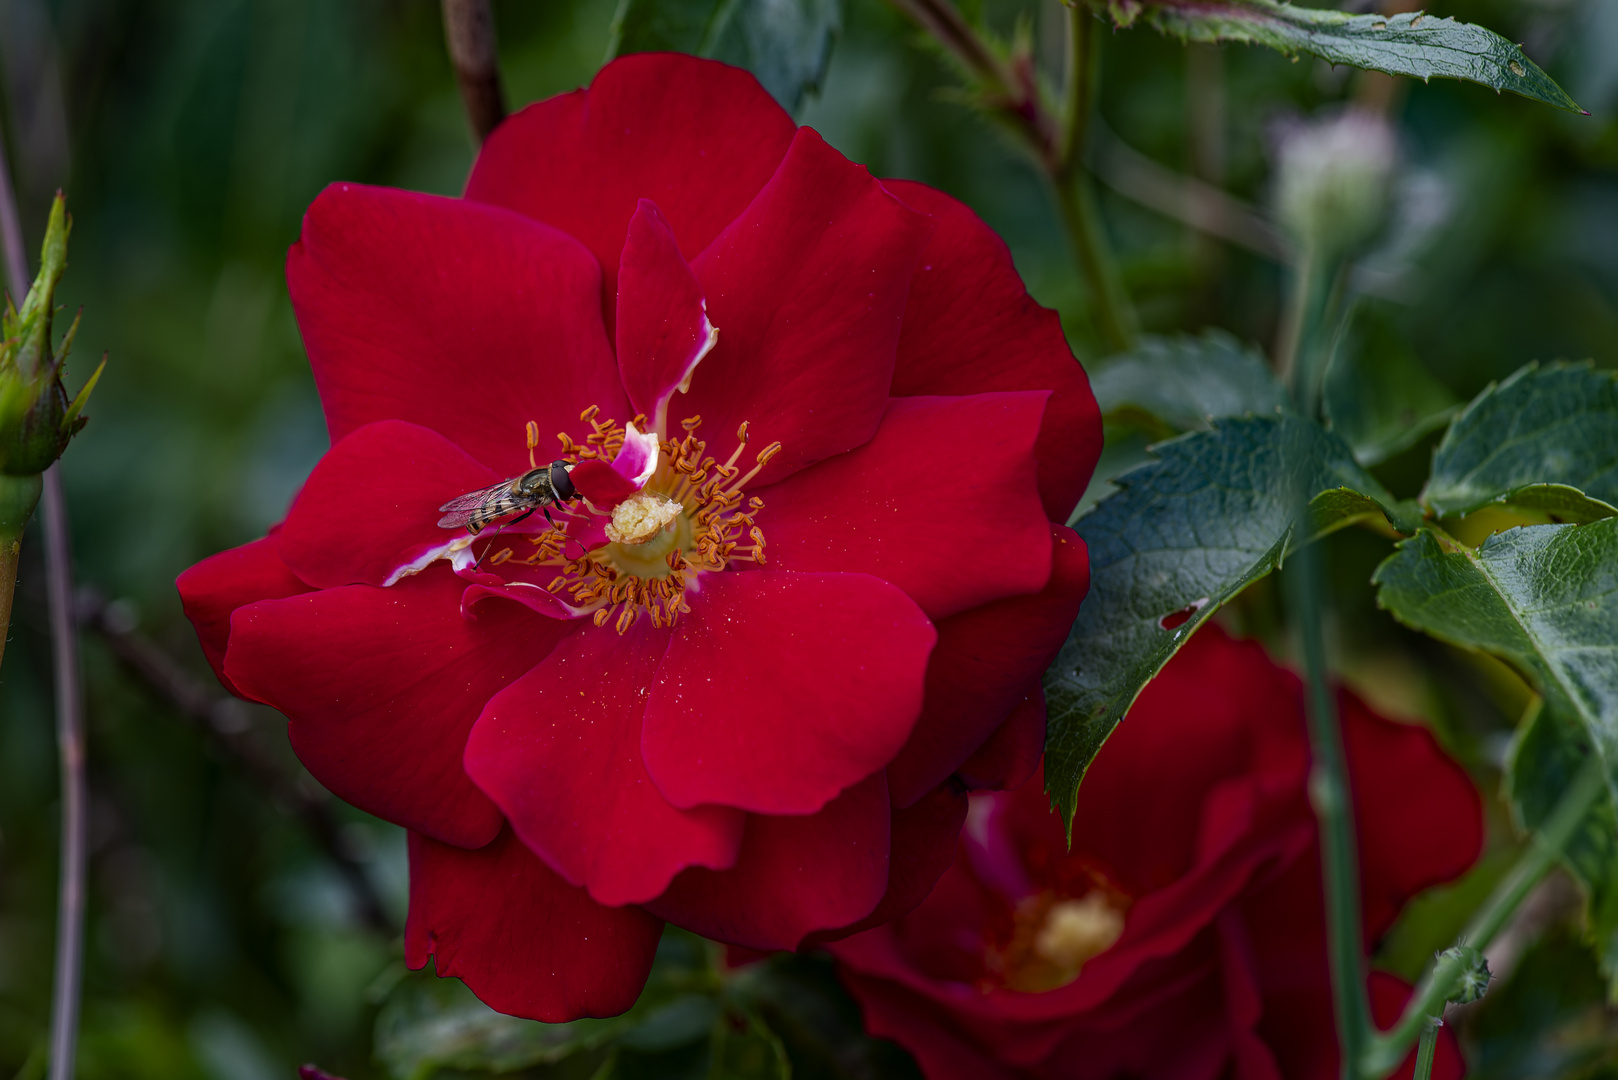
<point x="1424" y="1052"/>
<point x="1334" y="811"/>
<point x="18" y="496"/>
<point x="1114" y="314"/>
<point x="1313" y="323"/>
<point x="1075" y="196"/>
<point x="1386" y="1050"/>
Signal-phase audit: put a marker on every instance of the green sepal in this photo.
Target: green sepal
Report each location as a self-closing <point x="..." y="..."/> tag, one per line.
<point x="72" y="422"/>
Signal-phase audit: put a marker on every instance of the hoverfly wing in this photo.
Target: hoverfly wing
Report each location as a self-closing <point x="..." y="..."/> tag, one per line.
<point x="482" y="497"/>
<point x="483" y="505"/>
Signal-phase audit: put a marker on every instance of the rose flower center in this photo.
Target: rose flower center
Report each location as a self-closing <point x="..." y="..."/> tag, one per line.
<point x="690" y="517"/>
<point x="1052" y="938"/>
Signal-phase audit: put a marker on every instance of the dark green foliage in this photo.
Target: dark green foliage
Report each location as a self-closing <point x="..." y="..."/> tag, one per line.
<point x="1545" y="1021"/>
<point x="786" y="43"/>
<point x="1184" y="383"/>
<point x="781" y="1017"/>
<point x="1549" y="751"/>
<point x="1413" y="43"/>
<point x="1381" y="400"/>
<point x="1551" y="424"/>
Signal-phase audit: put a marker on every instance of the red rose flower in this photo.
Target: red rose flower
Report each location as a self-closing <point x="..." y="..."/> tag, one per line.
<point x="1182" y="936"/>
<point x="819" y="434"/>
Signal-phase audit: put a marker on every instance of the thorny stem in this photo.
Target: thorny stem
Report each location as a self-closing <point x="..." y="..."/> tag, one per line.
<point x="1385" y="1050"/>
<point x="69" y="709"/>
<point x="1012" y="90"/>
<point x="469" y="35"/>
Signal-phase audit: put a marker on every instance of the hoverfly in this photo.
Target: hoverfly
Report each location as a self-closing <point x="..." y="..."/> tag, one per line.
<point x="536" y="489"/>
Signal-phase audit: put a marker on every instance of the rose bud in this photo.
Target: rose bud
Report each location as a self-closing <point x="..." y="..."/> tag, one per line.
<point x="36" y="417"/>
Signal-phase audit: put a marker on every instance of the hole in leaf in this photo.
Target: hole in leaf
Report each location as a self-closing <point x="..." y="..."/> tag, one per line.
<point x="1176" y="619"/>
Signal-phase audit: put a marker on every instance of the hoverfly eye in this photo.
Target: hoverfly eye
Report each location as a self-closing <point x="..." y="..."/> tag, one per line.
<point x="561" y="482"/>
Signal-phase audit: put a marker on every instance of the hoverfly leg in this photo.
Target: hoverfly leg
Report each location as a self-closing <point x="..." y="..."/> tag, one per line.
<point x="520" y="517"/>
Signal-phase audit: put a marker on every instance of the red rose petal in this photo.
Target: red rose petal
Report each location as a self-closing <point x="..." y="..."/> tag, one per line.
<point x="924" y="1028"/>
<point x="941" y="502"/>
<point x="1401" y="775"/>
<point x="780" y="690"/>
<point x="807" y="288"/>
<point x="970" y="326"/>
<point x="794" y="875"/>
<point x="697" y="137"/>
<point x="461" y="317"/>
<point x="1222" y="710"/>
<point x="922" y="848"/>
<point x="218" y="585"/>
<point x="382" y="687"/>
<point x="1011" y="755"/>
<point x="559" y="751"/>
<point x="370" y="507"/>
<point x="663" y="328"/>
<point x="526" y="942"/>
<point x="982" y="668"/>
<point x="601" y="483"/>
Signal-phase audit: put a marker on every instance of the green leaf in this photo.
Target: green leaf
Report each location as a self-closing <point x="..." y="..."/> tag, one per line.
<point x="1546" y="756"/>
<point x="785" y="43"/>
<point x="1182" y="535"/>
<point x="1551" y="424"/>
<point x="1381" y="399"/>
<point x="1560" y="503"/>
<point x="1545" y="1021"/>
<point x="1413" y="44"/>
<point x="429" y="1023"/>
<point x="1544" y="598"/>
<point x="1187" y="382"/>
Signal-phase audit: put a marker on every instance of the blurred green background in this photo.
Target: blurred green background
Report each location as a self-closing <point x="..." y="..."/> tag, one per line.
<point x="190" y="134"/>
